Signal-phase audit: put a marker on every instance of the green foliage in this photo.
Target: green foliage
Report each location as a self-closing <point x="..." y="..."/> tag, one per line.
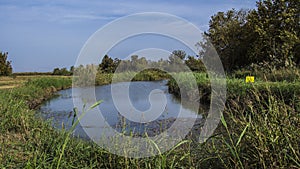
<point x="231" y="36"/>
<point x="151" y="75"/>
<point x="288" y="75"/>
<point x="276" y="25"/>
<point x="175" y="63"/>
<point x="267" y="37"/>
<point x="5" y="65"/>
<point x="195" y="65"/>
<point x="108" y="65"/>
<point x="145" y="75"/>
<point x="63" y="71"/>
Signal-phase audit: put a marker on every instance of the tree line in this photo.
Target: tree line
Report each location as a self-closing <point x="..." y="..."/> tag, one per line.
<point x="175" y="63"/>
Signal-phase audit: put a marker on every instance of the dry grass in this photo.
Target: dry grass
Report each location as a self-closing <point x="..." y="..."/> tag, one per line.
<point x="12" y="82"/>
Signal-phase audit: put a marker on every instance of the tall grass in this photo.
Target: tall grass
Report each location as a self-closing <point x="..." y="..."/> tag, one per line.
<point x="260" y="134"/>
<point x="259" y="127"/>
<point x="18" y="125"/>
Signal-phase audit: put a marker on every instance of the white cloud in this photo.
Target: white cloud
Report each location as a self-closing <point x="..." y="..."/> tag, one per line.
<point x="80" y="17"/>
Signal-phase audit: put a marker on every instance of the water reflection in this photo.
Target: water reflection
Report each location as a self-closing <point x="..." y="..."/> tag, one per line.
<point x="60" y="109"/>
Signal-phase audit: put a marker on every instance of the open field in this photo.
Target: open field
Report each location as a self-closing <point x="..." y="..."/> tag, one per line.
<point x="7" y="82"/>
<point x="260" y="129"/>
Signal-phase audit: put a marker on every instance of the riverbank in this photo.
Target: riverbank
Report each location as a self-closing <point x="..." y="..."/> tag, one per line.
<point x="237" y="88"/>
<point x="260" y="125"/>
<point x="259" y="129"/>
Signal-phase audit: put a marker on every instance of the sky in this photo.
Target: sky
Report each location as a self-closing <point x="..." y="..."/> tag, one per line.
<point x="40" y="35"/>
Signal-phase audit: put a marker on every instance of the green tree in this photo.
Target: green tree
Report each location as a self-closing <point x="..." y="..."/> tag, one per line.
<point x="56" y="71"/>
<point x="142" y="63"/>
<point x="107" y="65"/>
<point x="116" y="63"/>
<point x="230" y="34"/>
<point x="64" y="71"/>
<point x="176" y="60"/>
<point x="277" y="25"/>
<point x="72" y="68"/>
<point x="5" y="65"/>
<point x="134" y="62"/>
<point x="195" y="64"/>
<point x="179" y="53"/>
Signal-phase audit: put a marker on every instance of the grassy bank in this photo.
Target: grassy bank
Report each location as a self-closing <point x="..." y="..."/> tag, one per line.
<point x="261" y="124"/>
<point x="237" y="88"/>
<point x="20" y="130"/>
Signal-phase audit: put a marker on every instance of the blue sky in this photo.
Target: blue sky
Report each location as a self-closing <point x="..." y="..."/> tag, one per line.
<point x="40" y="35"/>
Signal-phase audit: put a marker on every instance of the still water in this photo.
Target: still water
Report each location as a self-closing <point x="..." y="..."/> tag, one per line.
<point x="59" y="110"/>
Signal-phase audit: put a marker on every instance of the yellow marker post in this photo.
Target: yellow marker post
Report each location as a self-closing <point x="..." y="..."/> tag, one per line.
<point x="249" y="79"/>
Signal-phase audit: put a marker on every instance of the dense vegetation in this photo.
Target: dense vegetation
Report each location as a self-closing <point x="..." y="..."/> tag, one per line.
<point x="266" y="37"/>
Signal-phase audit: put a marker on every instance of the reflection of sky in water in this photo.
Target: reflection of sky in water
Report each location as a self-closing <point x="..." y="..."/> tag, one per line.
<point x="60" y="108"/>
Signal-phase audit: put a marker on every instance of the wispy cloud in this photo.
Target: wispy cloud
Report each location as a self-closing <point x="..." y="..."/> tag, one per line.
<point x="87" y="17"/>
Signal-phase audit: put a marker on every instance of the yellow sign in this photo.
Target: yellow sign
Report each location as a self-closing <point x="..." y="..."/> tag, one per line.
<point x="249" y="79"/>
